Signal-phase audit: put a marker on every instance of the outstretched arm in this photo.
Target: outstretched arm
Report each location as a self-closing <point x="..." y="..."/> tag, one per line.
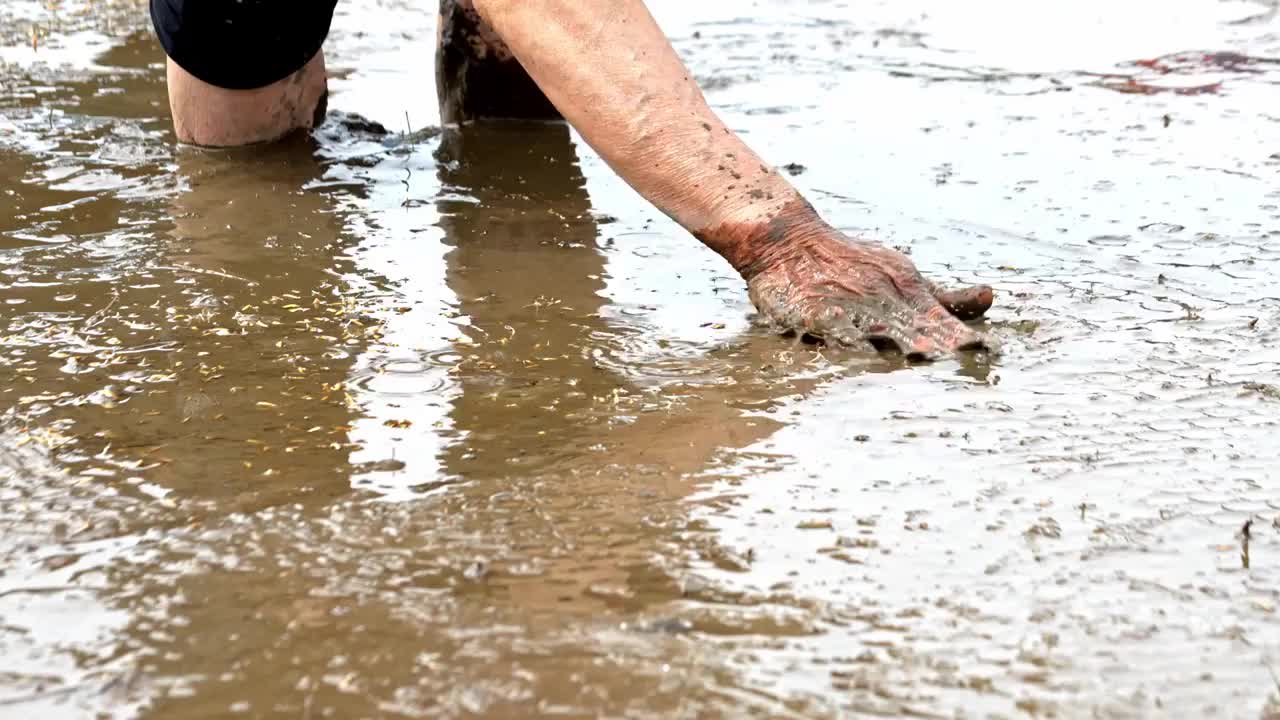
<point x="609" y="69"/>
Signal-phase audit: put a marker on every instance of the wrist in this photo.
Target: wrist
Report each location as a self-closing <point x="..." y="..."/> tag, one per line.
<point x="755" y="238"/>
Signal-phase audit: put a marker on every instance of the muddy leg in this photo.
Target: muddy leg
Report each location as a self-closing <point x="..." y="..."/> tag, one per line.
<point x="476" y="75"/>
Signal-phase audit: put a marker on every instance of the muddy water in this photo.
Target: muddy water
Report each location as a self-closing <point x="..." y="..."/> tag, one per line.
<point x="455" y="425"/>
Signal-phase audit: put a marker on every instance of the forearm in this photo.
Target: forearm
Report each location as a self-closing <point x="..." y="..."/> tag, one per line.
<point x="609" y="69"/>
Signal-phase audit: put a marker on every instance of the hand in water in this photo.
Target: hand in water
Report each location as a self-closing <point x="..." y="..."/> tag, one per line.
<point x="859" y="294"/>
<point x="655" y="129"/>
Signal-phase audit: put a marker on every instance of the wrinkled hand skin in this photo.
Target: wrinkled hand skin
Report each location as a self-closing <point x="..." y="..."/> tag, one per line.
<point x="808" y="277"/>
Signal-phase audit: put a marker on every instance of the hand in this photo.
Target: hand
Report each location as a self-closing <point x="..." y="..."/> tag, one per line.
<point x="861" y="294"/>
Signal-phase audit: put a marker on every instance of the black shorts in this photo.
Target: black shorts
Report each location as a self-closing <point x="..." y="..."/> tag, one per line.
<point x="242" y="44"/>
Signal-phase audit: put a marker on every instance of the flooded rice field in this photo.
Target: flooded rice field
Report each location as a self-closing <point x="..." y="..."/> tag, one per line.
<point x="456" y="425"/>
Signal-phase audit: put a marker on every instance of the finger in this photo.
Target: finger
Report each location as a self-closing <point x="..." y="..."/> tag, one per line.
<point x="880" y="325"/>
<point x="892" y="335"/>
<point x="967" y="303"/>
<point x="943" y="329"/>
<point x="835" y="325"/>
<point x="809" y="319"/>
<point x="776" y="309"/>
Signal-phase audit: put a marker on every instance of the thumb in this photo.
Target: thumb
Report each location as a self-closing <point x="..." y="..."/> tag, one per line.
<point x="967" y="303"/>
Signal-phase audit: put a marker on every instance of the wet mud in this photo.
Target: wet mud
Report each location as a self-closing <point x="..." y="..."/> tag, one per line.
<point x="452" y="424"/>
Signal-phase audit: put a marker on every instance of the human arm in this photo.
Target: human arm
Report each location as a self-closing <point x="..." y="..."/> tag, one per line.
<point x="609" y="69"/>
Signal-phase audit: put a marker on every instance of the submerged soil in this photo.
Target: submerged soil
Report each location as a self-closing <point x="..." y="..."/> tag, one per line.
<point x="458" y="426"/>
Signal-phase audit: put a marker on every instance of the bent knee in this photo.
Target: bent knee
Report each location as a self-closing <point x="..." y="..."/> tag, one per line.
<point x="211" y="116"/>
<point x="243" y="71"/>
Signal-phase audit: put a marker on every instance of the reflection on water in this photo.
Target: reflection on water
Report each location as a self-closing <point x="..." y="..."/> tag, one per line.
<point x="453" y="424"/>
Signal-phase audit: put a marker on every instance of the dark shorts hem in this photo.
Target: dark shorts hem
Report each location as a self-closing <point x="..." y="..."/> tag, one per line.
<point x="242" y="44"/>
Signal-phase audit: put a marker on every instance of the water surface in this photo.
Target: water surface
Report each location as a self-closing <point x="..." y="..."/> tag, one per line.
<point x="456" y="425"/>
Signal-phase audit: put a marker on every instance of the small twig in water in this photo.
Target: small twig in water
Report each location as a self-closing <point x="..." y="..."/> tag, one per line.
<point x="1245" y="536"/>
<point x="202" y="271"/>
<point x="100" y="315"/>
<point x="1274" y="678"/>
